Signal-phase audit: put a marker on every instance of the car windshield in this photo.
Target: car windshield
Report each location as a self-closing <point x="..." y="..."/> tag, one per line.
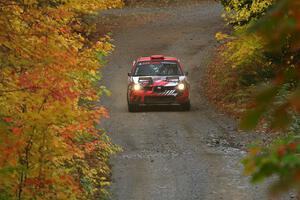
<point x="157" y="69"/>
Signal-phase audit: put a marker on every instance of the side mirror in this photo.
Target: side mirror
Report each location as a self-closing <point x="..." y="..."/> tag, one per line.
<point x="129" y="73"/>
<point x="186" y="73"/>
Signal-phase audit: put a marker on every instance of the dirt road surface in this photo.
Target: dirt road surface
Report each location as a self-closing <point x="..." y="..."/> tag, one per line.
<point x="169" y="154"/>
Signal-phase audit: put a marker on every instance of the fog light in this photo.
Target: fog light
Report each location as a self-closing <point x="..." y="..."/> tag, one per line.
<point x="137" y="87"/>
<point x="181" y="86"/>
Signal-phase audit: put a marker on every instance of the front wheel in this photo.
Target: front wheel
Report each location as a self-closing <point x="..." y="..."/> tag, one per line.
<point x="186" y="106"/>
<point x="133" y="107"/>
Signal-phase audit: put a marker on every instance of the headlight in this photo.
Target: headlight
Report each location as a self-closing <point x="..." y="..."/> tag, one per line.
<point x="137" y="87"/>
<point x="181" y="86"/>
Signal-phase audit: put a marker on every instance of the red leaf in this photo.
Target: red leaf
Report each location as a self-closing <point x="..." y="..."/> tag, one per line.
<point x="281" y="151"/>
<point x="8" y="119"/>
<point x="292" y="146"/>
<point x="17" y="131"/>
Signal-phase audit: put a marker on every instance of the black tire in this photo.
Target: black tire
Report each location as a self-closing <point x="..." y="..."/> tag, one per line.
<point x="186" y="106"/>
<point x="133" y="107"/>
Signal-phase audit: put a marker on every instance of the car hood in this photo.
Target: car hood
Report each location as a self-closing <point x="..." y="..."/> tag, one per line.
<point x="158" y="80"/>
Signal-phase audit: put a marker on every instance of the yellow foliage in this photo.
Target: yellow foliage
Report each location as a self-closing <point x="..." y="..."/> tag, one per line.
<point x="47" y="93"/>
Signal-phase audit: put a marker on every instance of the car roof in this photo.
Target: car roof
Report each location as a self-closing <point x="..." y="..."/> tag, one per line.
<point x="157" y="57"/>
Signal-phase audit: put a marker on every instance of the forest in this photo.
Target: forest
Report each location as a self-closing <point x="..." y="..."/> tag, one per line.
<point x="258" y="64"/>
<point x="51" y="144"/>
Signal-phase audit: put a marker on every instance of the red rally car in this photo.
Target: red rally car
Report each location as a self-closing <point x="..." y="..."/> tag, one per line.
<point x="157" y="80"/>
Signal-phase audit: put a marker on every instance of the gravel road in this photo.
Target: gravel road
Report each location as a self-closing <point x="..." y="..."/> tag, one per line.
<point x="169" y="154"/>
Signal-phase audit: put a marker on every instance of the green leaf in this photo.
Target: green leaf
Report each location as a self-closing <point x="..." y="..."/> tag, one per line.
<point x="265" y="171"/>
<point x="266" y="95"/>
<point x="281" y="119"/>
<point x="251" y="119"/>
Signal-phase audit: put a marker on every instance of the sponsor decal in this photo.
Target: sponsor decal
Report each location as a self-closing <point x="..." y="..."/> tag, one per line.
<point x="169" y="93"/>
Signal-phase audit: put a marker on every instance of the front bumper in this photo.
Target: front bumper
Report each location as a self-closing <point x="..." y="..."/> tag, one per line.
<point x="143" y="97"/>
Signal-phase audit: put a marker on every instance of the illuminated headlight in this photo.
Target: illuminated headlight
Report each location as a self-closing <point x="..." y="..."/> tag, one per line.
<point x="181" y="86"/>
<point x="137" y="87"/>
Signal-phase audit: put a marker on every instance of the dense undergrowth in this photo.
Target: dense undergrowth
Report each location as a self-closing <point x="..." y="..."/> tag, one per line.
<point x="255" y="76"/>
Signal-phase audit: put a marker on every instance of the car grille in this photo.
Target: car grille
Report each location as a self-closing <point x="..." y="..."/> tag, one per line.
<point x="147" y="88"/>
<point x="160" y="100"/>
<point x="161" y="89"/>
